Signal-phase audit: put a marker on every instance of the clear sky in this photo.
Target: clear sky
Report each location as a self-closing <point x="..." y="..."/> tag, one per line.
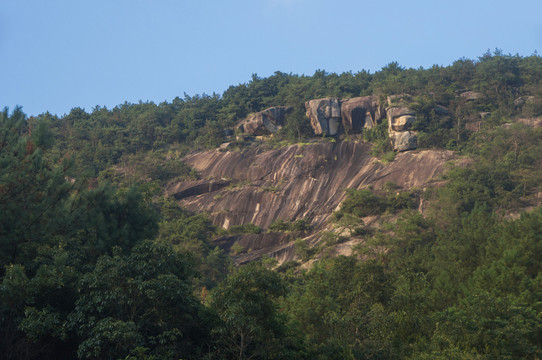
<point x="60" y="54"/>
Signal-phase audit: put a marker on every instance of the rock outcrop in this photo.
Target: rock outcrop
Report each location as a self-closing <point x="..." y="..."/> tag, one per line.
<point x="360" y="112"/>
<point x="400" y="120"/>
<point x="329" y="116"/>
<point x="324" y="115"/>
<point x="293" y="183"/>
<point x="265" y="122"/>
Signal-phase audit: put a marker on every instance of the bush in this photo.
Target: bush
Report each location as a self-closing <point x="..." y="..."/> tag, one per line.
<point x="364" y="202"/>
<point x="245" y="229"/>
<point x="284" y="226"/>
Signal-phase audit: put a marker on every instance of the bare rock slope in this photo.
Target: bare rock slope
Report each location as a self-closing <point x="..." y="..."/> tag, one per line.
<point x="295" y="182"/>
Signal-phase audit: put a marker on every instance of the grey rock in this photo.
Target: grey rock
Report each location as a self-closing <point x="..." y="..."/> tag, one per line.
<point x="404" y="140"/>
<point x="399" y="111"/>
<point x="324" y="115"/>
<point x="265" y="122"/>
<point x="400" y="120"/>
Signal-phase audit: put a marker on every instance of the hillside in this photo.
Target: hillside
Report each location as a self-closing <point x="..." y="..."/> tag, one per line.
<point x="393" y="215"/>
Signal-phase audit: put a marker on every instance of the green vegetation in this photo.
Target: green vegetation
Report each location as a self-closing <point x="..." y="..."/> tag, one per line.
<point x="285" y="226"/>
<point x="244" y="229"/>
<point x="96" y="264"/>
<point x="365" y="202"/>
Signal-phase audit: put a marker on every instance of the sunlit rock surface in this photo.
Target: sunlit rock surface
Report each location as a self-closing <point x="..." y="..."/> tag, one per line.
<point x="324" y="115"/>
<point x="292" y="183"/>
<point x="400" y="120"/>
<point x="265" y="122"/>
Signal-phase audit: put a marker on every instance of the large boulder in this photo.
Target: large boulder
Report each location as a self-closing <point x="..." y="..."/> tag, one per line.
<point x="404" y="140"/>
<point x="265" y="122"/>
<point x="324" y="115"/>
<point x="360" y="112"/>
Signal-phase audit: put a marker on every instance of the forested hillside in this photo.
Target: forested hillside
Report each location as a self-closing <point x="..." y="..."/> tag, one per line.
<point x="97" y="263"/>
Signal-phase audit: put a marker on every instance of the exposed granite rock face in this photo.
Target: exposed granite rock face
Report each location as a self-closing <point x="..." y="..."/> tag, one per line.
<point x="324" y="115"/>
<point x="265" y="122"/>
<point x="400" y="120"/>
<point x="292" y="183"/>
<point x="359" y="113"/>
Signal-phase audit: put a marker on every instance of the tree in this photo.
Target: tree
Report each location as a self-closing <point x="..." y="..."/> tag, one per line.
<point x="251" y="325"/>
<point x="139" y="300"/>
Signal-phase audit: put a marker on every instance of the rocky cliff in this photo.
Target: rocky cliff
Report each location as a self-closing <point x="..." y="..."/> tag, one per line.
<point x="305" y="181"/>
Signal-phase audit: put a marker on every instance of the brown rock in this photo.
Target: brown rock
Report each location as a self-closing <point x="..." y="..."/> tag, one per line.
<point x="324" y="115"/>
<point x="402" y="123"/>
<point x="361" y="112"/>
<point x="265" y="122"/>
<point x="292" y="183"/>
<point x="297" y="182"/>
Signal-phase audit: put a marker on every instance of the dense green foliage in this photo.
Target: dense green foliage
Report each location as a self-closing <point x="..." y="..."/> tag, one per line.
<point x="95" y="264"/>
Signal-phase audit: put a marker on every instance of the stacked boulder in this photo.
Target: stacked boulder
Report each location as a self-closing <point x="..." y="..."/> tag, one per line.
<point x="265" y="122"/>
<point x="400" y="121"/>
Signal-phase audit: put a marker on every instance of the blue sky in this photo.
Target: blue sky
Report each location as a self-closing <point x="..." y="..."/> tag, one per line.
<point x="60" y="54"/>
